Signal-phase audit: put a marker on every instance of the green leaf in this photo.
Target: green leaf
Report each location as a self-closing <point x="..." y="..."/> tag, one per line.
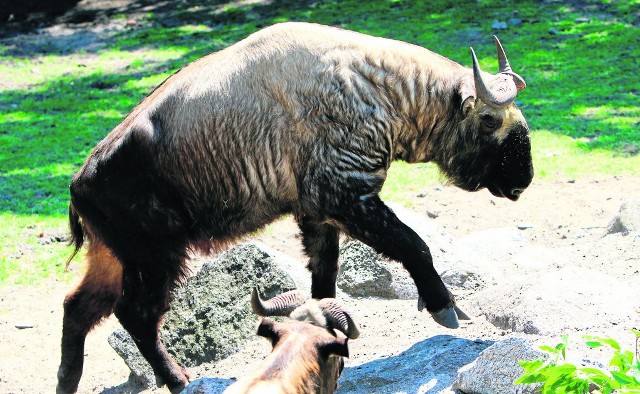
<point x="609" y="341"/>
<point x="533" y="364"/>
<point x="622" y="378"/>
<point x="622" y="360"/>
<point x="549" y="349"/>
<point x="595" y="373"/>
<point x="530" y="378"/>
<point x="593" y="344"/>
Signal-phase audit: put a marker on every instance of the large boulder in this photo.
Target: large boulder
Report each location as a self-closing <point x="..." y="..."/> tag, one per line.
<point x="365" y="273"/>
<point x="428" y="366"/>
<point x="210" y="316"/>
<point x="497" y="367"/>
<point x="558" y="301"/>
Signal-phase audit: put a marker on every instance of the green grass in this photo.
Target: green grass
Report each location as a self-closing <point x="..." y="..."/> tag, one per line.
<point x="580" y="64"/>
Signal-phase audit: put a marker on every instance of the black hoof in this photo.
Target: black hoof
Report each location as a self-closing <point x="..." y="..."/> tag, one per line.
<point x="447" y="317"/>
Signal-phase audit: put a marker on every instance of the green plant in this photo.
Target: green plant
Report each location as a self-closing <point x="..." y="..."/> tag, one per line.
<point x="559" y="376"/>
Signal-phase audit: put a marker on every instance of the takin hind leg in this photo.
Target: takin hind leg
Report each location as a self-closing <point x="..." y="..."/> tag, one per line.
<point x="91" y="301"/>
<point x="145" y="299"/>
<point x="321" y="243"/>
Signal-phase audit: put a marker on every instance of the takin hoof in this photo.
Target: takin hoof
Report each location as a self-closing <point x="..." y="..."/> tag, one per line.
<point x="68" y="380"/>
<point x="447" y="317"/>
<point x="61" y="389"/>
<point x="178" y="386"/>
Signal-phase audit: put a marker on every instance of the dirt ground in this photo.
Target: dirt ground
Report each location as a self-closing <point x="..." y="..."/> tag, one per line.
<point x="569" y="213"/>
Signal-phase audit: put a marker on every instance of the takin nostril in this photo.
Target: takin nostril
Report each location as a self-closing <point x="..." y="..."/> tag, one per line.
<point x="516" y="191"/>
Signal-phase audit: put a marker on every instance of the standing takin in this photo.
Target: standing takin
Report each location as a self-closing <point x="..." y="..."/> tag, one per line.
<point x="297" y="118"/>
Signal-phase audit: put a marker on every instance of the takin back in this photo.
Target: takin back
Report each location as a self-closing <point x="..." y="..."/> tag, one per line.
<point x="297" y="118"/>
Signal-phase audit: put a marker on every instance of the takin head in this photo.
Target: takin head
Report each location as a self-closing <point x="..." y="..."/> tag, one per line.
<point x="490" y="146"/>
<point x="305" y="358"/>
<point x="307" y="348"/>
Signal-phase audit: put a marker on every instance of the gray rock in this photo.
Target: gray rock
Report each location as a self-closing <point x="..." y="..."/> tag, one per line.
<point x="365" y="273"/>
<point x="207" y="386"/>
<point x="557" y="301"/>
<point x="462" y="279"/>
<point x="427" y="367"/>
<point x="627" y="219"/>
<point x="496" y="368"/>
<point x="362" y="273"/>
<point x="211" y="317"/>
<point x="141" y="371"/>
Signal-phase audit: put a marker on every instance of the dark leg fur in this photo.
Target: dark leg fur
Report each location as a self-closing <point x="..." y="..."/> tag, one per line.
<point x="321" y="245"/>
<point x="140" y="310"/>
<point x="84" y="307"/>
<point x="373" y="223"/>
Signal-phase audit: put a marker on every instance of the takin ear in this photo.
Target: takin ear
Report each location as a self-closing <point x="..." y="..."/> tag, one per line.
<point x="337" y="347"/>
<point x="467" y="93"/>
<point x="267" y="328"/>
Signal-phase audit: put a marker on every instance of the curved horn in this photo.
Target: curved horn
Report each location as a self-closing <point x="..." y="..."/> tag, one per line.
<point x="280" y="305"/>
<point x="505" y="67"/>
<point x="501" y="95"/>
<point x="338" y="318"/>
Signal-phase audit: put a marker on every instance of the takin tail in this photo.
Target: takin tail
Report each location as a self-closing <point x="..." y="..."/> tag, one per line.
<point x="77" y="233"/>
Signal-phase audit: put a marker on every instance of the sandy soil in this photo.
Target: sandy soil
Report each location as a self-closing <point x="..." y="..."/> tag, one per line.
<point x="571" y="214"/>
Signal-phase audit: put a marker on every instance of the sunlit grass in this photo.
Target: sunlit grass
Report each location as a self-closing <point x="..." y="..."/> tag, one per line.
<point x="561" y="157"/>
<point x="30" y="250"/>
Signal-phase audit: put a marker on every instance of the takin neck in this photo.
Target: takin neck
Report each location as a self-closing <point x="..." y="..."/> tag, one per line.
<point x="420" y="95"/>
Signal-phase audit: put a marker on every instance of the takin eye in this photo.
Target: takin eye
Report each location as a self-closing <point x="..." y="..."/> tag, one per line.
<point x="489" y="124"/>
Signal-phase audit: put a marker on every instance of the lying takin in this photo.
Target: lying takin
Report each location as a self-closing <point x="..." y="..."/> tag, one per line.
<point x="297" y="118"/>
<point x="307" y="352"/>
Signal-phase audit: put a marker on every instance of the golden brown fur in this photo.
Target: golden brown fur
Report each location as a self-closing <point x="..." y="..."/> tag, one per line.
<point x="295" y="365"/>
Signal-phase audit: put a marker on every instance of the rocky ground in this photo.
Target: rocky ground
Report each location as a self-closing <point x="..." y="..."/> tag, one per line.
<point x="560" y="225"/>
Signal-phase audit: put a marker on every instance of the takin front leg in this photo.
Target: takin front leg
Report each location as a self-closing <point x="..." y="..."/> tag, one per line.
<point x="84" y="307"/>
<point x="372" y="222"/>
<point x="320" y="242"/>
<point x="144" y="301"/>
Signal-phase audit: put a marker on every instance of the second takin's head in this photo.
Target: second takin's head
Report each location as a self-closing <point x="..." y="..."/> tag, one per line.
<point x="490" y="145"/>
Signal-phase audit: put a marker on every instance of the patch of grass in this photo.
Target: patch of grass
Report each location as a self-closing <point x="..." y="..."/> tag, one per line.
<point x="580" y="63"/>
<point x="559" y="156"/>
<point x="32" y="248"/>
